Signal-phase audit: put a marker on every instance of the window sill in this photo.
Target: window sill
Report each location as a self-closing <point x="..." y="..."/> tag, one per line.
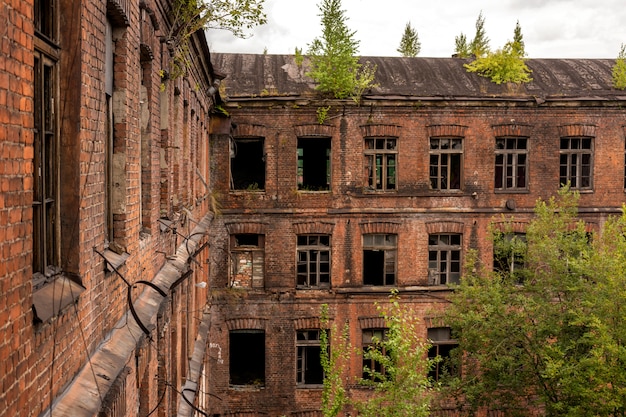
<point x="309" y="386"/>
<point x="511" y="191"/>
<point x="52" y="298"/>
<point x="114" y="260"/>
<point x="251" y="387"/>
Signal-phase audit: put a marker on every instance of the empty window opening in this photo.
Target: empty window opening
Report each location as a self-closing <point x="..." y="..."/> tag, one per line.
<point x="372" y="339"/>
<point x="441" y="351"/>
<point x="576" y="162"/>
<point x="308" y="367"/>
<point x="444" y="259"/>
<point x="381" y="163"/>
<point x="247" y="254"/>
<point x="313" y="268"/>
<point x="379" y="259"/>
<point x="247" y="357"/>
<point x="247" y="164"/>
<point x="446" y="163"/>
<point x="314" y="164"/>
<point x="511" y="161"/>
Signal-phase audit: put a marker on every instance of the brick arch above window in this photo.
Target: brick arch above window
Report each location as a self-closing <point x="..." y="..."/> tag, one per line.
<point x="380" y="130"/>
<point x="446" y="130"/>
<point x="307" y="323"/>
<point x="511" y="129"/>
<point x="246" y="324"/>
<point x="375" y="322"/>
<point x="514" y="226"/>
<point x="379" y="227"/>
<point x="314" y="130"/>
<point x="246" y="227"/>
<point x="578" y="129"/>
<point x="444" y="227"/>
<point x="313" y="228"/>
<point x="250" y="130"/>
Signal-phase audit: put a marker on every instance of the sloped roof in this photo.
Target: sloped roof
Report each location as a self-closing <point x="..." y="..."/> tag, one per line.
<point x="275" y="76"/>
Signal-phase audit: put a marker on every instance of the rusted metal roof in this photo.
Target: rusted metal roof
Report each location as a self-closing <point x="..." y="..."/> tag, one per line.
<point x="276" y="76"/>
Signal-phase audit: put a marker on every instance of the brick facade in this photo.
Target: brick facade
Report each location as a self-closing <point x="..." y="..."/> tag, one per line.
<point x="86" y="103"/>
<point x="406" y="110"/>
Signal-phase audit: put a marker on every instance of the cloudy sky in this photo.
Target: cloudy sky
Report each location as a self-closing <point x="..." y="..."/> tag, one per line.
<point x="551" y="28"/>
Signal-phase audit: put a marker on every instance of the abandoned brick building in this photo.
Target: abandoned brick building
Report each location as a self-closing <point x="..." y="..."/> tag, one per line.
<point x="104" y="209"/>
<point x="338" y="202"/>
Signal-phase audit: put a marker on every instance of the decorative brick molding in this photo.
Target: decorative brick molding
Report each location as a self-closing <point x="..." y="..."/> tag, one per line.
<point x="514" y="226"/>
<point x="446" y="130"/>
<point x="511" y="129"/>
<point x="444" y="227"/>
<point x="376" y="322"/>
<point x="380" y="130"/>
<point x="323" y="228"/>
<point x="379" y="227"/>
<point x="310" y="413"/>
<point x="588" y="130"/>
<point x="246" y="323"/>
<point x="435" y="321"/>
<point x="307" y="323"/>
<point x="314" y="130"/>
<point x="250" y="131"/>
<point x="246" y="227"/>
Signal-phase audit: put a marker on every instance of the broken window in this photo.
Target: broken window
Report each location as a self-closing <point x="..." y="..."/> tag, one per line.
<point x="379" y="259"/>
<point x="446" y="158"/>
<point x="247" y="357"/>
<point x="511" y="160"/>
<point x="247" y="254"/>
<point x="576" y="162"/>
<point x="314" y="164"/>
<point x="441" y="352"/>
<point x="308" y="367"/>
<point x="381" y="163"/>
<point x="444" y="258"/>
<point x="509" y="252"/>
<point x="313" y="268"/>
<point x="46" y="186"/>
<point x="247" y="164"/>
<point x="372" y="339"/>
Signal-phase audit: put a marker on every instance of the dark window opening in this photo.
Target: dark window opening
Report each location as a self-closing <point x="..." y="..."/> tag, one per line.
<point x="313" y="266"/>
<point x="314" y="164"/>
<point x="444" y="259"/>
<point x="381" y="164"/>
<point x="511" y="160"/>
<point x="44" y="18"/>
<point x="446" y="163"/>
<point x="247" y="357"/>
<point x="509" y="253"/>
<point x="441" y="352"/>
<point x="379" y="259"/>
<point x="372" y="339"/>
<point x="247" y="254"/>
<point x="247" y="164"/>
<point x="308" y="367"/>
<point x="576" y="162"/>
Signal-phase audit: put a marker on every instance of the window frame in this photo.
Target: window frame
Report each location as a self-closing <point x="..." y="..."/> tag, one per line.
<point x="510" y="162"/>
<point x="437" y="345"/>
<point x="436" y="177"/>
<point x="569" y="154"/>
<point x="313" y="263"/>
<point x="514" y="261"/>
<point x="435" y="274"/>
<point x="375" y="342"/>
<point x="237" y="252"/>
<point x="379" y="160"/>
<point x="390" y="266"/>
<point x="307" y="347"/>
<point x="250" y="181"/>
<point x="246" y="358"/>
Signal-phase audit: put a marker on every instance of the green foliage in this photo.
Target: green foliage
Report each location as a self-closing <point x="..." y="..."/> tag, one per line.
<point x="410" y="45"/>
<point x="335" y="65"/>
<point x="334" y="363"/>
<point x="461" y="48"/>
<point x="299" y="58"/>
<point x="619" y="69"/>
<point x="478" y="46"/>
<point x="506" y="65"/>
<point x="322" y="112"/>
<point x="404" y="389"/>
<point x="557" y="342"/>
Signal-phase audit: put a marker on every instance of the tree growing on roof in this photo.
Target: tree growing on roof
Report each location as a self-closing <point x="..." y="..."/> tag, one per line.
<point x="619" y="69"/>
<point x="410" y="45"/>
<point x="478" y="46"/>
<point x="552" y="338"/>
<point x="335" y="65"/>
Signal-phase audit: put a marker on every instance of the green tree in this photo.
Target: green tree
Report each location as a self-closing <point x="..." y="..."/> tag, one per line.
<point x="461" y="47"/>
<point x="410" y="45"/>
<point x="334" y="361"/>
<point x="619" y="69"/>
<point x="403" y="389"/>
<point x="558" y="341"/>
<point x="335" y="65"/>
<point x="478" y="46"/>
